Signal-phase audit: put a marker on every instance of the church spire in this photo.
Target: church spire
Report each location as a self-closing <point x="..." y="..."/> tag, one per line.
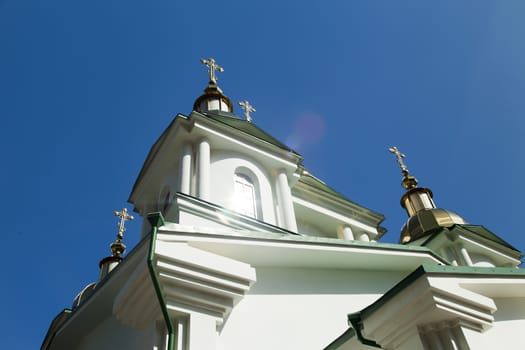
<point x="213" y="99"/>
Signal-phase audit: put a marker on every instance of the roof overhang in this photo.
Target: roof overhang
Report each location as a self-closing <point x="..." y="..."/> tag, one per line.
<point x="434" y="293"/>
<point x="266" y="249"/>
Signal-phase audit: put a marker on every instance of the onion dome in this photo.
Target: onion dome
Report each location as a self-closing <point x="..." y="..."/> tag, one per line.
<point x="423" y="216"/>
<point x="213" y="98"/>
<point x="426" y="221"/>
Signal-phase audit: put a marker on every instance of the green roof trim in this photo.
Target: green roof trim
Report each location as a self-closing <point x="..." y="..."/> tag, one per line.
<point x="341" y="340"/>
<point x="246" y="127"/>
<point x="475" y="229"/>
<point x="470" y="270"/>
<point x="357" y="322"/>
<point x="443" y="270"/>
<point x="485" y="233"/>
<point x="156" y="220"/>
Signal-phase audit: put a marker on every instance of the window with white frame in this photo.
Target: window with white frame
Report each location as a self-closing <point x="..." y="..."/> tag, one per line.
<point x="245" y="201"/>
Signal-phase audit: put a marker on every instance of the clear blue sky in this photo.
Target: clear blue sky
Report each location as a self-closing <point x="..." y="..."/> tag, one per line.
<point x="86" y="87"/>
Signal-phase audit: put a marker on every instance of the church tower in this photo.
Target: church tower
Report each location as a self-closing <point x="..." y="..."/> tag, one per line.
<point x="213" y="163"/>
<point x="446" y="232"/>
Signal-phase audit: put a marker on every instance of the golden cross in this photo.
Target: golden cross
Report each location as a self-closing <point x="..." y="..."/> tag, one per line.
<point x="248" y="108"/>
<point x="399" y="157"/>
<point x="210" y="62"/>
<point x="124" y="216"/>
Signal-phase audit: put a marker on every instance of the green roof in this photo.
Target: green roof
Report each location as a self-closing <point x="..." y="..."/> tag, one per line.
<point x="320" y="185"/>
<point x="314" y="182"/>
<point x="475" y="229"/>
<point x="246" y="127"/>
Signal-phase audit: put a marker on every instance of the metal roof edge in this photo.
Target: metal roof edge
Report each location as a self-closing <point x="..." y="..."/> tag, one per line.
<point x="154" y="149"/>
<point x="343" y="338"/>
<point x="443" y="270"/>
<point x="276" y="142"/>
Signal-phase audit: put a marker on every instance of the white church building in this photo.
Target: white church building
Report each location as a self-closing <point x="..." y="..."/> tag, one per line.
<point x="242" y="248"/>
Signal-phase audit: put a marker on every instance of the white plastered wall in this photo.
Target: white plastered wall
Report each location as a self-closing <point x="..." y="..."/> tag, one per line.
<point x="506" y="331"/>
<point x="299" y="308"/>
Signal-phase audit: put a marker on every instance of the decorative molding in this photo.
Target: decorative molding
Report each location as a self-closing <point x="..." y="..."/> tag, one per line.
<point x="217" y="215"/>
<point x="191" y="279"/>
<point x="427" y="300"/>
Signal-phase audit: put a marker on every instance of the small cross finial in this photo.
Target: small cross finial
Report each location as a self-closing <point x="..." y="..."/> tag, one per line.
<point x="399" y="157"/>
<point x="213" y="66"/>
<point x="409" y="181"/>
<point x="118" y="247"/>
<point x="248" y="108"/>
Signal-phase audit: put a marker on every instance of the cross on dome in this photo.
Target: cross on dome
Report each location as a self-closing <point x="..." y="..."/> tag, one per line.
<point x="399" y="157"/>
<point x="124" y="216"/>
<point x="213" y="66"/>
<point x="118" y="247"/>
<point x="409" y="181"/>
<point x="248" y="108"/>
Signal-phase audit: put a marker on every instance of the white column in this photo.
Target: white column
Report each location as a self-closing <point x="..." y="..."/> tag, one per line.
<point x="364" y="237"/>
<point x="185" y="169"/>
<point x="465" y="255"/>
<point x="203" y="171"/>
<point x="285" y="201"/>
<point x="348" y="234"/>
<point x="443" y="336"/>
<point x="459" y="338"/>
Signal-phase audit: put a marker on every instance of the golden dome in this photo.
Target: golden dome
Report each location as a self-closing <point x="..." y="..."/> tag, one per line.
<point x="427" y="220"/>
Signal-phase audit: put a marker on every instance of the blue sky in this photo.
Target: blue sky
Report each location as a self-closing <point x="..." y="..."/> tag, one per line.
<point x="86" y="87"/>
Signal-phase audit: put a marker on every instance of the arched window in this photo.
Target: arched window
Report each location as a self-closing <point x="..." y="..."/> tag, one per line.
<point x="245" y="200"/>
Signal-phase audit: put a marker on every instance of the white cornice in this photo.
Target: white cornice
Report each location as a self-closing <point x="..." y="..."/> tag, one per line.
<point x="427" y="300"/>
<point x="335" y="215"/>
<point x="191" y="280"/>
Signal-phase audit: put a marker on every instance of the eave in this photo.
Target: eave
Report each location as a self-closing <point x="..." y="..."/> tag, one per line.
<point x="275" y="249"/>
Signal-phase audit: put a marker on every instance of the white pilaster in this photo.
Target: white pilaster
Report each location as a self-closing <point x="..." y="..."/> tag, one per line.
<point x="202" y="332"/>
<point x="185" y="168"/>
<point x="203" y="171"/>
<point x="285" y="201"/>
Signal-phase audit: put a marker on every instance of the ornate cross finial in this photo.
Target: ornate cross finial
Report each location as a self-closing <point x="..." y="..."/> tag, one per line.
<point x="213" y="66"/>
<point x="399" y="157"/>
<point x="118" y="247"/>
<point x="248" y="108"/>
<point x="124" y="216"/>
<point x="409" y="181"/>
